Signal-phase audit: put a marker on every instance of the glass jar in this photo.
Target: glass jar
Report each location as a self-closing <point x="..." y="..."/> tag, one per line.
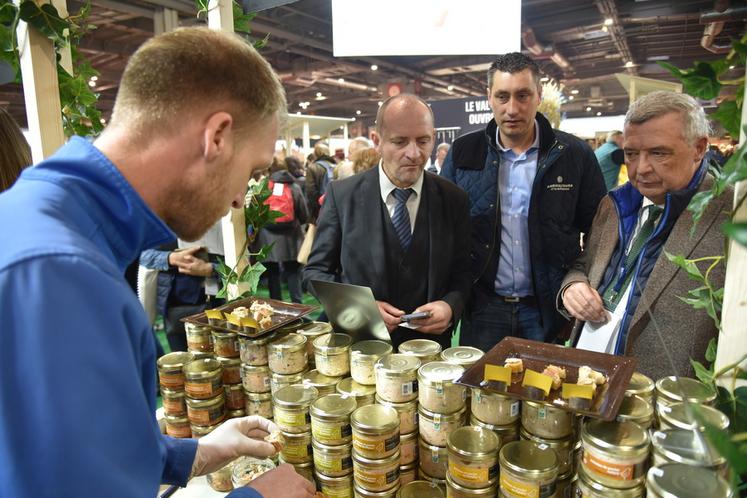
<point x="686" y="447"/>
<point x="296" y="448"/>
<point x="311" y="331"/>
<point x="203" y="379"/>
<point x="231" y="370"/>
<point x="420" y="489"/>
<point x="641" y="385"/>
<point x="199" y="338"/>
<point x="423" y="476"/>
<point x="473" y="457"/>
<point x="677" y="416"/>
<point x="246" y="469"/>
<point x="408" y="448"/>
<point x="676" y="389"/>
<point x="234" y="397"/>
<point x="335" y="487"/>
<point x="465" y="356"/>
<point x="332" y="461"/>
<point x="375" y="431"/>
<point x="614" y="453"/>
<point x="220" y="480"/>
<point x="683" y="481"/>
<point x="425" y="350"/>
<point x="287" y="355"/>
<point x="454" y="490"/>
<point x="435" y="428"/>
<point x="173" y="403"/>
<point x="434" y="460"/>
<point x="305" y="470"/>
<point x="324" y="384"/>
<point x="494" y="408"/>
<point x="278" y="381"/>
<point x="206" y="411"/>
<point x="332" y="354"/>
<point x="363" y="394"/>
<point x="170" y="374"/>
<point x="437" y="391"/>
<point x="199" y="431"/>
<point x="546" y="421"/>
<point x="396" y="377"/>
<point x="235" y="413"/>
<point x="359" y="492"/>
<point x="586" y="487"/>
<point x="330" y="419"/>
<point x="226" y="344"/>
<point x="408" y="414"/>
<point x="258" y="404"/>
<point x="177" y="426"/>
<point x="506" y="433"/>
<point x="254" y="351"/>
<point x="563" y="448"/>
<point x="363" y="356"/>
<point x="636" y="409"/>
<point x="407" y="473"/>
<point x="291" y="408"/>
<point x="376" y="474"/>
<point x="256" y="379"/>
<point x="527" y="470"/>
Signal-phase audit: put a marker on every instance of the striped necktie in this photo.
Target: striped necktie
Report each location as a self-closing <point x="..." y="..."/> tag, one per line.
<point x="401" y="218"/>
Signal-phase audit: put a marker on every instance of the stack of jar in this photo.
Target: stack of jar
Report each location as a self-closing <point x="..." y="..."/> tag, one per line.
<point x="255" y="374"/>
<point x="291" y="405"/>
<point x="204" y="395"/>
<point x="199" y="339"/>
<point x="472" y="462"/>
<point x="331" y="438"/>
<point x="376" y="451"/>
<point x="171" y="381"/>
<point x="226" y="347"/>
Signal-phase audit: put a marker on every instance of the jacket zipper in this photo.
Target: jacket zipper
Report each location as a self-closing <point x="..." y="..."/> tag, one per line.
<point x="495" y="222"/>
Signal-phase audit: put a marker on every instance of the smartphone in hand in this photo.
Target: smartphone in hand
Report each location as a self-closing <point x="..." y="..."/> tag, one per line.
<point x="415" y="316"/>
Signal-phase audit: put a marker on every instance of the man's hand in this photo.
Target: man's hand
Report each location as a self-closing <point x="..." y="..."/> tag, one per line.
<point x="283" y="482"/>
<point x="583" y="302"/>
<point x="439" y="320"/>
<point x="390" y="314"/>
<point x="186" y="262"/>
<point x="234" y="438"/>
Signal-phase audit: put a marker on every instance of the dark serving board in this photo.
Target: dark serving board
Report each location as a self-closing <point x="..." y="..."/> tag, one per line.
<point x="537" y="355"/>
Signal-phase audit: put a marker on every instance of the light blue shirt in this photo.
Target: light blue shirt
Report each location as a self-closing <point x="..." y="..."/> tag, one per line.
<point x="515" y="179"/>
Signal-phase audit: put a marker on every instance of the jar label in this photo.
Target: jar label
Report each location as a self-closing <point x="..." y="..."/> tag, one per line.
<point x="204" y="389"/>
<point x="612" y="470"/>
<point x="376" y="479"/>
<point x="203" y="417"/>
<point x="515" y="488"/>
<point x="178" y="430"/>
<point x="295" y="450"/>
<point x="515" y="407"/>
<point x="471" y="475"/>
<point x="171" y="380"/>
<point x="329" y="464"/>
<point x="325" y="431"/>
<point x="234" y="399"/>
<point x="174" y="406"/>
<point x="291" y="419"/>
<point x="375" y="445"/>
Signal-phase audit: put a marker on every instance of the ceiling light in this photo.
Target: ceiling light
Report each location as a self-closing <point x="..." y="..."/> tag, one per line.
<point x="318" y="94"/>
<point x="341" y="80"/>
<point x="609" y="21"/>
<point x="571" y="97"/>
<point x="731" y="67"/>
<point x="599" y="113"/>
<point x="574" y="91"/>
<point x="91" y="83"/>
<point x="544" y="79"/>
<point x="450" y="88"/>
<point x="94" y="78"/>
<point x="358" y="112"/>
<point x="374" y="67"/>
<point x="588" y="109"/>
<point x="605" y="29"/>
<point x="629" y="64"/>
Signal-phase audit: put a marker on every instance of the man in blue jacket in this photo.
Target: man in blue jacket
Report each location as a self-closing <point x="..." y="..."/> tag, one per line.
<point x="532" y="191"/>
<point x="196" y="113"/>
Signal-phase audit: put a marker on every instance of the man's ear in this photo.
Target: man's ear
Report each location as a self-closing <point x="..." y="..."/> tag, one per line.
<point x="701" y="146"/>
<point x="218" y="135"/>
<point x="376" y="140"/>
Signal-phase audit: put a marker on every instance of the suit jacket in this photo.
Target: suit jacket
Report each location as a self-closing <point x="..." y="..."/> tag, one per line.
<point x="350" y="241"/>
<point x="685" y="331"/>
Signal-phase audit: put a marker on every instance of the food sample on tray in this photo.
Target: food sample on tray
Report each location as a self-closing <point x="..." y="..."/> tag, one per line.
<point x="556" y="373"/>
<point x="515" y="364"/>
<point x="276" y="439"/>
<point x="259" y="310"/>
<point x="587" y="376"/>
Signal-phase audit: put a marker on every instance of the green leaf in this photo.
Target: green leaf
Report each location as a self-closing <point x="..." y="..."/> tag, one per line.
<point x="736" y="231"/>
<point x="8" y="13"/>
<point x="251" y="275"/>
<point x="710" y="354"/>
<point x="698" y="205"/>
<point x="45" y="18"/>
<point x="677" y="72"/>
<point x="701" y="372"/>
<point x="729" y="115"/>
<point x="688" y="265"/>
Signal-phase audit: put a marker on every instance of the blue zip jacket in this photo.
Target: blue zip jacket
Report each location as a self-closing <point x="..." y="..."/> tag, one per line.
<point x="77" y="355"/>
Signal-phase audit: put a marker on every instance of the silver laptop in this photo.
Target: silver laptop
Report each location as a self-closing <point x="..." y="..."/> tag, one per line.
<point x="351" y="309"/>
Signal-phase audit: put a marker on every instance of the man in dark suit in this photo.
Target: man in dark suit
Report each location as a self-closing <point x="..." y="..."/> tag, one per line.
<point x="399" y="230"/>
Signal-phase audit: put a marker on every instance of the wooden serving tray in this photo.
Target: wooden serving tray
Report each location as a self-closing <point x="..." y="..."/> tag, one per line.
<point x="537" y="355"/>
<point x="285" y="313"/>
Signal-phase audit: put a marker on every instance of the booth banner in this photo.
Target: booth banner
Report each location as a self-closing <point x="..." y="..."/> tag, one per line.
<point x="460" y="116"/>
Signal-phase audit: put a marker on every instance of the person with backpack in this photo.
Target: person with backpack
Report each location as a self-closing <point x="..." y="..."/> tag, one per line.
<point x="285" y="234"/>
<point x="318" y="175"/>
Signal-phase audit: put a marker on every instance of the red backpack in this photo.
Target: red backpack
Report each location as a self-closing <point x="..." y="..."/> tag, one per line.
<point x="281" y="200"/>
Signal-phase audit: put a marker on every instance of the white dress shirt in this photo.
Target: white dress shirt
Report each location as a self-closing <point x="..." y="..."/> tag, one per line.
<point x="387" y="195"/>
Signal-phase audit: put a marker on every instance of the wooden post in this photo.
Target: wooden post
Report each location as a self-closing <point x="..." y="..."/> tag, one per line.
<point x="41" y="90"/>
<point x="165" y="20"/>
<point x="66" y="57"/>
<point x="220" y="15"/>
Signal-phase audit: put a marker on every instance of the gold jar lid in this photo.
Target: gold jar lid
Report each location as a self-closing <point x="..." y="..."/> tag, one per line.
<point x="397" y="365"/>
<point x="462" y="355"/>
<point x="556" y="444"/>
<point x="259" y="341"/>
<point x="437" y="373"/>
<point x="635" y="409"/>
<point x="420" y="489"/>
<point x="601" y="490"/>
<point x="373" y="348"/>
<point x="343" y="449"/>
<point x="203" y="430"/>
<point x="319" y="380"/>
<point x="254" y="369"/>
<point x="193" y="328"/>
<point x="640" y="385"/>
<point x="174" y="361"/>
<point x="671" y="388"/>
<point x="422" y="348"/>
<point x="315" y="329"/>
<point x="287" y="344"/>
<point x="450" y="417"/>
<point x="473" y="442"/>
<point x="674" y="480"/>
<point x="528" y="459"/>
<point x="502" y="430"/>
<point x="334" y="482"/>
<point x="349" y="387"/>
<point x="171" y="393"/>
<point x="288" y="378"/>
<point x="679" y="416"/>
<point x="240" y="412"/>
<point x="686" y="446"/>
<point x="332" y="343"/>
<point x="490" y="491"/>
<point x="407" y="406"/>
<point x="376" y="462"/>
<point x="258" y="396"/>
<point x="625" y="439"/>
<point x="406" y="438"/>
<point x="201" y="369"/>
<point x="206" y="403"/>
<point x="233" y="387"/>
<point x="410" y="467"/>
<point x="176" y="419"/>
<point x="229" y="362"/>
<point x="333" y="406"/>
<point x="295" y="396"/>
<point x="219" y="334"/>
<point x="375" y="419"/>
<point x="291" y="327"/>
<point x="360" y="492"/>
<point x="202" y="355"/>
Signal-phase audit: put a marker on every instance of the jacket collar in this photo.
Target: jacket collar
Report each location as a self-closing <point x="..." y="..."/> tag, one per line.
<point x="546" y="134"/>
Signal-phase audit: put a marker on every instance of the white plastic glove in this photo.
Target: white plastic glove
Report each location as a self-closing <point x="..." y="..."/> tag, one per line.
<point x="234" y="438"/>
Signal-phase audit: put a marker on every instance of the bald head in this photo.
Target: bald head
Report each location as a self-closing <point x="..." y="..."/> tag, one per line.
<point x="403" y="102"/>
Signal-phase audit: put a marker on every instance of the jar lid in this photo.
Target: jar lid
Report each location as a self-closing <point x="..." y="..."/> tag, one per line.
<point x="349" y="387"/>
<point x="360" y="492"/>
<point x="635" y="409"/>
<point x="679" y="416"/>
<point x="420" y="348"/>
<point x="601" y="490"/>
<point x="675" y="480"/>
<point x="378" y="418"/>
<point x="555" y="444"/>
<point x="440" y="450"/>
<point x="489" y="491"/>
<point x="528" y="459"/>
<point x="202" y="368"/>
<point x="203" y="430"/>
<point x="328" y="448"/>
<point x="175" y="360"/>
<point x="420" y="489"/>
<point x="686" y="446"/>
<point x="639" y="384"/>
<point x="250" y="369"/>
<point x="471" y="441"/>
<point x="295" y="396"/>
<point x="258" y="396"/>
<point x="332" y="343"/>
<point x="228" y="362"/>
<point x="288" y="378"/>
<point x="291" y="327"/>
<point x="201" y="355"/>
<point x="400" y="407"/>
<point x="377" y="462"/>
<point x="171" y="393"/>
<point x="622" y="438"/>
<point x="371" y="348"/>
<point x="462" y="355"/>
<point x="394" y="364"/>
<point x="206" y="403"/>
<point x="193" y="327"/>
<point x="410" y="467"/>
<point x="405" y="438"/>
<point x="449" y="417"/>
<point x="314" y="329"/>
<point x="316" y="379"/>
<point x="502" y="430"/>
<point x="671" y="388"/>
<point x="176" y="419"/>
<point x="335" y="482"/>
<point x="290" y="342"/>
<point x="439" y="372"/>
<point x="333" y="405"/>
<point x="224" y="335"/>
<point x="259" y="341"/>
